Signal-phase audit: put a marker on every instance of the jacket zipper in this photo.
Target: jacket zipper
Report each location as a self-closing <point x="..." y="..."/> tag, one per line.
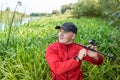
<point x="55" y="77"/>
<point x="67" y="57"/>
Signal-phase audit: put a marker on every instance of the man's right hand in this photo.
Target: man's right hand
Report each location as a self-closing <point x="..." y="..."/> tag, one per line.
<point x="82" y="53"/>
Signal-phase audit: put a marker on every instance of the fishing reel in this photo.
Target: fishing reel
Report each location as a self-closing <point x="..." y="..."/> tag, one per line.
<point x="92" y="42"/>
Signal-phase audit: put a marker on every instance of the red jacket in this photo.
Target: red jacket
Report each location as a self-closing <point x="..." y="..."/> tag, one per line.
<point x="63" y="66"/>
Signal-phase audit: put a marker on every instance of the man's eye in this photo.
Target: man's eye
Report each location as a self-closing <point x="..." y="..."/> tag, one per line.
<point x="65" y="31"/>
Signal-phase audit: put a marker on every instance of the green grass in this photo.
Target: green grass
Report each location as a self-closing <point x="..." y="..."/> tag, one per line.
<point x="25" y="57"/>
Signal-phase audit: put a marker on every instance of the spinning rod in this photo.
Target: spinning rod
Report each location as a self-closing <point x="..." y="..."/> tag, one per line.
<point x="93" y="43"/>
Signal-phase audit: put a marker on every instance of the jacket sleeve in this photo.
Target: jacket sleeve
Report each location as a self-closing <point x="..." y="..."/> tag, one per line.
<point x="93" y="61"/>
<point x="58" y="66"/>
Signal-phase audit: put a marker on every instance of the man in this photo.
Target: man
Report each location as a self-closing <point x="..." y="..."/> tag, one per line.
<point x="65" y="57"/>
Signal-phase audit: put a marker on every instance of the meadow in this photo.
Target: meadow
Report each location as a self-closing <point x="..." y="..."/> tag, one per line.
<point x="24" y="57"/>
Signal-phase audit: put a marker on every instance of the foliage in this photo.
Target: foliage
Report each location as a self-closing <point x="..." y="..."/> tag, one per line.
<point x="64" y="8"/>
<point x="6" y="16"/>
<point x="107" y="9"/>
<point x="7" y="9"/>
<point x="111" y="10"/>
<point x="25" y="57"/>
<point x="86" y="8"/>
<point x="40" y="14"/>
<point x="56" y="12"/>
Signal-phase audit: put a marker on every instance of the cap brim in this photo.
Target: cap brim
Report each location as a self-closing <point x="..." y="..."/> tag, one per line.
<point x="57" y="27"/>
<point x="64" y="28"/>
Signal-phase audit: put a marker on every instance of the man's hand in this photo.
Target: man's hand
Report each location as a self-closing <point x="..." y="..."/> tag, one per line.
<point x="92" y="47"/>
<point x="82" y="53"/>
<point x="91" y="53"/>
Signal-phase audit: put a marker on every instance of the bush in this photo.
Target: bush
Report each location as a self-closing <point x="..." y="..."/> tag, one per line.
<point x="86" y="8"/>
<point x="111" y="10"/>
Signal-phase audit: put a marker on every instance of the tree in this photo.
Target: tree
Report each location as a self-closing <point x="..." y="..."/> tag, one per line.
<point x="86" y="8"/>
<point x="56" y="12"/>
<point x="64" y="8"/>
<point x="111" y="10"/>
<point x="7" y="9"/>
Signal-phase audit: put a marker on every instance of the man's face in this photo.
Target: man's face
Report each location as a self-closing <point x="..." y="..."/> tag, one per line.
<point x="66" y="37"/>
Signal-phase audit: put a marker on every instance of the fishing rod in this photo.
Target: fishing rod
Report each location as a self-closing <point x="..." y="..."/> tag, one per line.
<point x="93" y="43"/>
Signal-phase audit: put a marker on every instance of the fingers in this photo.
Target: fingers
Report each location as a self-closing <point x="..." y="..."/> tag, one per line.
<point x="95" y="48"/>
<point x="82" y="53"/>
<point x="92" y="47"/>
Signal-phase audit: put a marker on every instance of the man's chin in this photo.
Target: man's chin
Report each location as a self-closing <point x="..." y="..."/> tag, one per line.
<point x="62" y="42"/>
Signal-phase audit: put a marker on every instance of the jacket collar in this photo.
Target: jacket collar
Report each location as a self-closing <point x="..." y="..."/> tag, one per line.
<point x="66" y="45"/>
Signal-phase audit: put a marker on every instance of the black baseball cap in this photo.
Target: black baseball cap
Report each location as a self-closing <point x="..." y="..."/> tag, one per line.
<point x="68" y="26"/>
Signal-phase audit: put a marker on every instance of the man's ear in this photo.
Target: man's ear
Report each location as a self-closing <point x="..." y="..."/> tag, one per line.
<point x="73" y="37"/>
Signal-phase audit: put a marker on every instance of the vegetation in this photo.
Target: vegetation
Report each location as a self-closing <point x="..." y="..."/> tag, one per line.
<point x="87" y="8"/>
<point x="66" y="8"/>
<point x="40" y="14"/>
<point x="109" y="9"/>
<point x="6" y="16"/>
<point x="25" y="56"/>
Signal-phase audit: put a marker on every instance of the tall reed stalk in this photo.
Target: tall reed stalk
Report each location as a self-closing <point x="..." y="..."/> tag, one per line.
<point x="10" y="27"/>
